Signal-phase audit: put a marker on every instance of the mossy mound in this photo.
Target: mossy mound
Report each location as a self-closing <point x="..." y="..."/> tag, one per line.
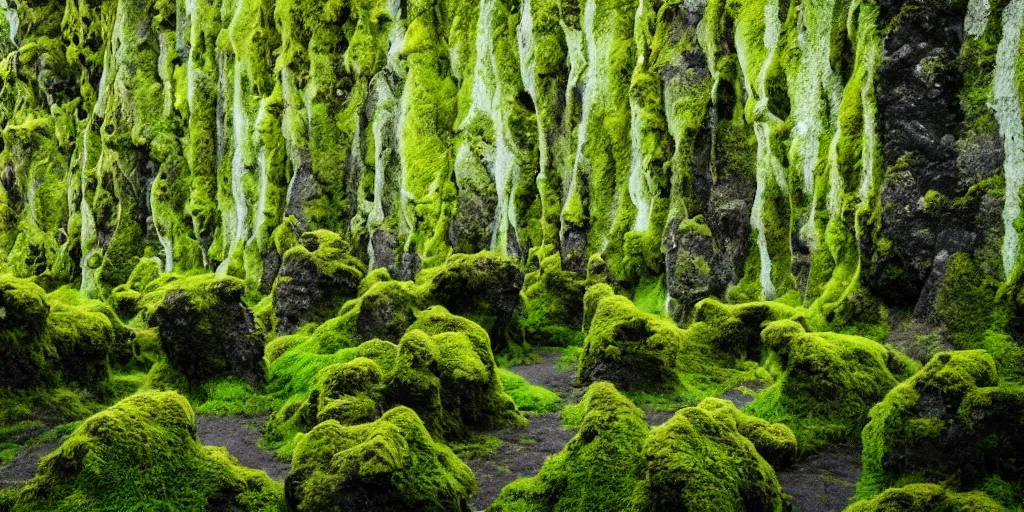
<point x="735" y="329"/>
<point x="384" y="311"/>
<point x="630" y="348"/>
<point x="442" y="368"/>
<point x="205" y="329"/>
<point x="554" y="305"/>
<point x="482" y="287"/>
<point x="142" y="454"/>
<point x="952" y="422"/>
<point x="828" y="381"/>
<point x="391" y="465"/>
<point x="700" y="460"/>
<point x="597" y="470"/>
<point x="125" y="297"/>
<point x="26" y="354"/>
<point x="927" y="498"/>
<point x="774" y="441"/>
<point x="317" y="275"/>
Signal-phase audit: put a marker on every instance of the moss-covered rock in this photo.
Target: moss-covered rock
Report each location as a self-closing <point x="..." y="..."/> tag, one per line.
<point x="482" y="287"/>
<point x="927" y="498"/>
<point x="125" y="297"/>
<point x="597" y="470"/>
<point x="142" y="454"/>
<point x="735" y="329"/>
<point x="26" y="354"/>
<point x="700" y="460"/>
<point x="632" y="349"/>
<point x="828" y="382"/>
<point x="774" y="441"/>
<point x="952" y="422"/>
<point x="317" y="275"/>
<point x="554" y="305"/>
<point x="205" y="329"/>
<point x="384" y="311"/>
<point x="391" y="465"/>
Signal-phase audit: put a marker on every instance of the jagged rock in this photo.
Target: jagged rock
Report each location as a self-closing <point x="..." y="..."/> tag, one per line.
<point x="389" y="465"/>
<point x="205" y="329"/>
<point x="317" y="275"/>
<point x="140" y="452"/>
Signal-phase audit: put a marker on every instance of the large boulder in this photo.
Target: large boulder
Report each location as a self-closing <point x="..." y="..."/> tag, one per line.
<point x="630" y="348"/>
<point x="317" y="275"/>
<point x="554" y="305"/>
<point x="389" y="465"/>
<point x="205" y="329"/>
<point x="952" y="422"/>
<point x="143" y="454"/>
<point x="927" y="498"/>
<point x="26" y="354"/>
<point x="482" y="287"/>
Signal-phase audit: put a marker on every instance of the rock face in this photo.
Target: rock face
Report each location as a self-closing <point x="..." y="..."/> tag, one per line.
<point x="25" y="349"/>
<point x="205" y="330"/>
<point x="140" y="451"/>
<point x="391" y="464"/>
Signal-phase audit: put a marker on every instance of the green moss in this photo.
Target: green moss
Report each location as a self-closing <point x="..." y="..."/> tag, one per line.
<point x="140" y="452"/>
<point x="593" y="297"/>
<point x="633" y="349"/>
<point x="528" y="397"/>
<point x="952" y="422"/>
<point x="553" y="299"/>
<point x="597" y="470"/>
<point x="926" y="498"/>
<point x="27" y="354"/>
<point x="650" y="296"/>
<point x="391" y="464"/>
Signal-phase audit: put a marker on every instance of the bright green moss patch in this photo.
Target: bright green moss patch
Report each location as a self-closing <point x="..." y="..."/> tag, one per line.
<point x="553" y="299"/>
<point x="927" y="498"/>
<point x="143" y="452"/>
<point x="528" y="397"/>
<point x="391" y="464"/>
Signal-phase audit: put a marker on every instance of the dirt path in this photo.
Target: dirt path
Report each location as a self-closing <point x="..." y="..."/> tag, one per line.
<point x="23" y="467"/>
<point x="239" y="435"/>
<point x="823" y="482"/>
<point x="523" y="451"/>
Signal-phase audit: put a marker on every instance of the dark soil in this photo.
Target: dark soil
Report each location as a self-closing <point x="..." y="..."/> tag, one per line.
<point x="23" y="467"/>
<point x="545" y="374"/>
<point x="239" y="435"/>
<point x="523" y="451"/>
<point x="823" y="482"/>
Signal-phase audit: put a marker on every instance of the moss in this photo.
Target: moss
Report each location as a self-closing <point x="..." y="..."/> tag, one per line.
<point x="27" y="354"/>
<point x="384" y="312"/>
<point x="828" y="382"/>
<point x="529" y="398"/>
<point x="775" y="442"/>
<point x="140" y="452"/>
<point x="951" y="422"/>
<point x="926" y="498"/>
<point x="736" y="329"/>
<point x="594" y="295"/>
<point x="205" y="330"/>
<point x="700" y="460"/>
<point x="554" y="305"/>
<point x="635" y="350"/>
<point x="482" y="287"/>
<point x="391" y="464"/>
<point x="596" y="470"/>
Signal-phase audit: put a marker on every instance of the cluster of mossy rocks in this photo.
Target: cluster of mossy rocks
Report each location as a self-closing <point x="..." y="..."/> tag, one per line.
<point x="369" y="380"/>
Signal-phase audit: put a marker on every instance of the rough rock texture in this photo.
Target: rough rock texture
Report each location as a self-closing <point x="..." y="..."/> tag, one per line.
<point x="391" y="465"/>
<point x="205" y="330"/>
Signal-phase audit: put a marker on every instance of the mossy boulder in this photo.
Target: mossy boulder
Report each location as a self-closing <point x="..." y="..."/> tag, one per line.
<point x="735" y="329"/>
<point x="952" y="422"/>
<point x="630" y="348"/>
<point x="143" y="454"/>
<point x="482" y="287"/>
<point x="389" y="465"/>
<point x="554" y="305"/>
<point x="597" y="470"/>
<point x="205" y="329"/>
<point x="317" y="275"/>
<point x="124" y="298"/>
<point x="700" y="460"/>
<point x="384" y="311"/>
<point x="26" y="353"/>
<point x="774" y="441"/>
<point x="927" y="498"/>
<point x="827" y="382"/>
